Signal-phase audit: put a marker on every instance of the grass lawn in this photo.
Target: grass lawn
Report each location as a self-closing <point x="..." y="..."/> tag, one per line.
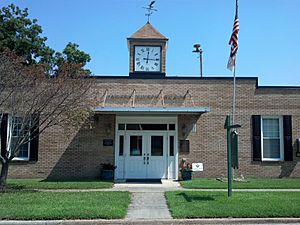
<point x="85" y="205"/>
<point x="44" y="184"/>
<point x="263" y="183"/>
<point x="198" y="204"/>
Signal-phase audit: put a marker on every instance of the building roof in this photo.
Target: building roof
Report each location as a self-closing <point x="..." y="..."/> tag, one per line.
<point x="147" y="32"/>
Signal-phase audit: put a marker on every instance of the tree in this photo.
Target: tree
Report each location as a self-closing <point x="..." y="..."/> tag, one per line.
<point x="31" y="102"/>
<point x="24" y="36"/>
<point x="39" y="87"/>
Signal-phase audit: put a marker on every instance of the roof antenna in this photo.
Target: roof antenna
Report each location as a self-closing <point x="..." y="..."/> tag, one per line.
<point x="150" y="9"/>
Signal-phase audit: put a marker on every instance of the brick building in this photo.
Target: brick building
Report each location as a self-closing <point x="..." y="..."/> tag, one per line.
<point x="147" y="122"/>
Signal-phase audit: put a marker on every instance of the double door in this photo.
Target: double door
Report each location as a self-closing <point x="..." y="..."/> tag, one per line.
<point x="146" y="155"/>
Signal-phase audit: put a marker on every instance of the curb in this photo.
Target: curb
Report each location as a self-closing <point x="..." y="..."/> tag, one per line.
<point x="159" y="222"/>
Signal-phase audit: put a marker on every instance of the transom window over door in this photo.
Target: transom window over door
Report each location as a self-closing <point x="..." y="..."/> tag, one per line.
<point x="272" y="138"/>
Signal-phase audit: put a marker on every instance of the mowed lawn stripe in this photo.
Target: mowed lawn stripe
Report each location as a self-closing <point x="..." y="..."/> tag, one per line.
<point x="198" y="204"/>
<point x="82" y="205"/>
<point x="46" y="184"/>
<point x="252" y="183"/>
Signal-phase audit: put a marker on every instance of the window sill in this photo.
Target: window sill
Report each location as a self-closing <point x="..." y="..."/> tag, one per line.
<point x="20" y="159"/>
<point x="272" y="160"/>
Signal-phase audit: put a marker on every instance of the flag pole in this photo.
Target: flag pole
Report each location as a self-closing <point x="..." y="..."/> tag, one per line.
<point x="231" y="65"/>
<point x="234" y="70"/>
<point x="234" y="96"/>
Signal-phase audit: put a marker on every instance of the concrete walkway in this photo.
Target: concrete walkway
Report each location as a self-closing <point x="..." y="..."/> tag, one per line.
<point x="148" y="200"/>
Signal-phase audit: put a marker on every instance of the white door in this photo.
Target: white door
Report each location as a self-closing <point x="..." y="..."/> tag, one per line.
<point x="135" y="159"/>
<point x="146" y="155"/>
<point x="156" y="155"/>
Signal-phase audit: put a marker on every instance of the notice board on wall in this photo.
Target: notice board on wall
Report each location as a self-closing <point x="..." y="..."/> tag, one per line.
<point x="108" y="142"/>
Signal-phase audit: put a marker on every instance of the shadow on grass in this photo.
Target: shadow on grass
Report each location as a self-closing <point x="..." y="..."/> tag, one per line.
<point x="15" y="187"/>
<point x="77" y="181"/>
<point x="191" y="198"/>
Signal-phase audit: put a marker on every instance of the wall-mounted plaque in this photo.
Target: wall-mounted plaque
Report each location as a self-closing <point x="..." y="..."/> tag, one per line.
<point x="108" y="142"/>
<point x="197" y="167"/>
<point x="184" y="146"/>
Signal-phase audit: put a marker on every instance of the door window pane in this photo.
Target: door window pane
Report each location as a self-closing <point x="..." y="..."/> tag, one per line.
<point x="121" y="145"/>
<point x="136" y="143"/>
<point x="171" y="140"/>
<point x="157" y="145"/>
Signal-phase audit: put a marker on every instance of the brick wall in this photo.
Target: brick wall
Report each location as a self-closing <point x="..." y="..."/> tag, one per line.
<point x="79" y="153"/>
<point x="71" y="153"/>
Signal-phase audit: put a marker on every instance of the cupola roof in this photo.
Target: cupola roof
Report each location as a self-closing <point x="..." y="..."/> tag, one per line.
<point x="147" y="32"/>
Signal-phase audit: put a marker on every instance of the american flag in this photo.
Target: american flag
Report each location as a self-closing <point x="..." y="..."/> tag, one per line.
<point x="233" y="41"/>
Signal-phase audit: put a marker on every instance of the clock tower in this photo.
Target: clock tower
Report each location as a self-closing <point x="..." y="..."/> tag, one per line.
<point x="147" y="53"/>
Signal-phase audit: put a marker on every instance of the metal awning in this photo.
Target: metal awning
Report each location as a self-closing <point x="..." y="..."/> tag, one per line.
<point x="150" y="110"/>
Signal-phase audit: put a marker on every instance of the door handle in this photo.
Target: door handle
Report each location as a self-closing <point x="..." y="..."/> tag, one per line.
<point x="147" y="160"/>
<point x="144" y="159"/>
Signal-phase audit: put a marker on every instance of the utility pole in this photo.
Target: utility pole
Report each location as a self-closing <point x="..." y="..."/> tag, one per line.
<point x="199" y="50"/>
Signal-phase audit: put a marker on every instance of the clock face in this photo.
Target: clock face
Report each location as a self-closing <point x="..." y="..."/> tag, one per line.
<point x="147" y="58"/>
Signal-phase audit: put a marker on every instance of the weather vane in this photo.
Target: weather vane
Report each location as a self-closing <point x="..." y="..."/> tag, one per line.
<point x="150" y="9"/>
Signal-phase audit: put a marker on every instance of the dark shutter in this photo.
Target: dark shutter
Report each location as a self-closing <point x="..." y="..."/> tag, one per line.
<point x="287" y="138"/>
<point x="4" y="123"/>
<point x="34" y="133"/>
<point x="256" y="137"/>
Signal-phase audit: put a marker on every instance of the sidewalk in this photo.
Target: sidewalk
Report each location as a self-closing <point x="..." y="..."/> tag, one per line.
<point x="148" y="200"/>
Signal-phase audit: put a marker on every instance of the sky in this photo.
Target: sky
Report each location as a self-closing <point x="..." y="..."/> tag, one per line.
<point x="269" y="37"/>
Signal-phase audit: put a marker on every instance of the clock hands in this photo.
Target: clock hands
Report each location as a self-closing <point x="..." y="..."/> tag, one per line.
<point x="150" y="59"/>
<point x="147" y="57"/>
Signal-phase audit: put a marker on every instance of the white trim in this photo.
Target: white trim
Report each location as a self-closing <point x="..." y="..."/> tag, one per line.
<point x="281" y="139"/>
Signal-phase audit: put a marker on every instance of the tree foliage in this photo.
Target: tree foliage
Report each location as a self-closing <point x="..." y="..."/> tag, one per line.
<point x="23" y="35"/>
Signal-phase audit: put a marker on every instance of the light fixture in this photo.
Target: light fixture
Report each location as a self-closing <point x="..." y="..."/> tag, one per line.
<point x="199" y="51"/>
<point x="108" y="129"/>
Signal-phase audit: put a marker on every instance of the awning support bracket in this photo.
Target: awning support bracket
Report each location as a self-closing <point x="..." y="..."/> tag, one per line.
<point x="191" y="98"/>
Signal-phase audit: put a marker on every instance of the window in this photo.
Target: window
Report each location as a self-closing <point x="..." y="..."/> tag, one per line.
<point x="121" y="145"/>
<point x="136" y="143"/>
<point x="171" y="140"/>
<point x="13" y="130"/>
<point x="272" y="138"/>
<point x="157" y="145"/>
<point x="146" y="126"/>
<point x="19" y="131"/>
